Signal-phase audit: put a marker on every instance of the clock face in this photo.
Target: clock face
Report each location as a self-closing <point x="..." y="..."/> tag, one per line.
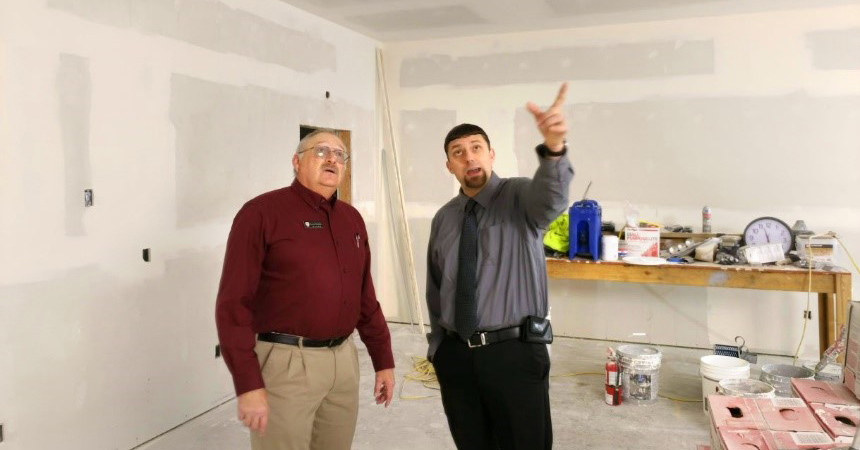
<point x="769" y="230"/>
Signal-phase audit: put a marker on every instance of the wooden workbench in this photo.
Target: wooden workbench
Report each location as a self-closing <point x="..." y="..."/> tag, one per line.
<point x="828" y="284"/>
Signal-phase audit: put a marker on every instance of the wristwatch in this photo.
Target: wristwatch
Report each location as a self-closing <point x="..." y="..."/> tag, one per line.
<point x="543" y="151"/>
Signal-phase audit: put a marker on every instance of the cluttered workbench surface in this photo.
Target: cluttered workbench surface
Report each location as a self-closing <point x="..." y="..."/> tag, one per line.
<point x="833" y="286"/>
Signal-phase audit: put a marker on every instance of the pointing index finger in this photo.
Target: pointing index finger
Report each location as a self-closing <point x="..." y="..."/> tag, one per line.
<point x="562" y="93"/>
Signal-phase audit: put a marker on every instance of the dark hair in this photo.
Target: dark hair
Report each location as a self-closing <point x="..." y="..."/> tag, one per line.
<point x="463" y="130"/>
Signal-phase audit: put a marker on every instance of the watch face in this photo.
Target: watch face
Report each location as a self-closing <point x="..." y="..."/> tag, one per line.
<point x="769" y="230"/>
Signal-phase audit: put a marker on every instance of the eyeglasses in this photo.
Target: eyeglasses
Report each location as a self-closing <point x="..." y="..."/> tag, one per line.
<point x="324" y="151"/>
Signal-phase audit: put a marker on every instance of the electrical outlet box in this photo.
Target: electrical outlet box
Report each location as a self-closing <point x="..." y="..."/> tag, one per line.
<point x="217" y="350"/>
<point x="146" y="254"/>
<point x="88" y="197"/>
<point x="1" y="432"/>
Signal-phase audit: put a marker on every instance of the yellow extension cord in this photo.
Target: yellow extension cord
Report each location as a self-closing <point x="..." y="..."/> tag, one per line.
<point x="423" y="372"/>
<point x="809" y="290"/>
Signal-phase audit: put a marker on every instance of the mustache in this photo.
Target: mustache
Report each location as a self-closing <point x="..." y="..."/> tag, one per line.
<point x="330" y="166"/>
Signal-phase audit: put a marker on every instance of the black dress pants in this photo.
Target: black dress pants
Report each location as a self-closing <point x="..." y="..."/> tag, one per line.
<point x="495" y="396"/>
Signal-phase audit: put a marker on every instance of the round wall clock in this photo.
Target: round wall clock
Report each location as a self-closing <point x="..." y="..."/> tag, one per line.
<point x="769" y="230"/>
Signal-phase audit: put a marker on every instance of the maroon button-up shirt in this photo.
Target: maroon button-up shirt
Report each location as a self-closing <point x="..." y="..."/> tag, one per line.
<point x="296" y="263"/>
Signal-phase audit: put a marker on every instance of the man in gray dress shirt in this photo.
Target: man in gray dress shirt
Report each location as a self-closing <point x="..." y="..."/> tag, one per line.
<point x="486" y="273"/>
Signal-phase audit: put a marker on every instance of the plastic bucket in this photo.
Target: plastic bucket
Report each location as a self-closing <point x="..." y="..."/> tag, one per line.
<point x="779" y="376"/>
<point x="746" y="388"/>
<point x="715" y="368"/>
<point x="640" y="373"/>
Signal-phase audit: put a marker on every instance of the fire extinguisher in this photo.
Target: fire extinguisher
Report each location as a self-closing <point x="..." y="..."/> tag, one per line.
<point x="613" y="379"/>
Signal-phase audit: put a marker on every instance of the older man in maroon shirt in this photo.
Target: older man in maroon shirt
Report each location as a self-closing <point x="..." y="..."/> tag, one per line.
<point x="296" y="283"/>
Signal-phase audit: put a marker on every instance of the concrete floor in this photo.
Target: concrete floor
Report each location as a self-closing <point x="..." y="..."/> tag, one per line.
<point x="581" y="419"/>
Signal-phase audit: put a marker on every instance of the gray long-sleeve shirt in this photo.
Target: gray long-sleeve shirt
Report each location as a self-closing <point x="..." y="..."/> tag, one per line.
<point x="512" y="214"/>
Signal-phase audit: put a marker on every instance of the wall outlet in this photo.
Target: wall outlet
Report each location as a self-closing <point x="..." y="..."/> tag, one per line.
<point x="1" y="432"/>
<point x="217" y="350"/>
<point x="88" y="197"/>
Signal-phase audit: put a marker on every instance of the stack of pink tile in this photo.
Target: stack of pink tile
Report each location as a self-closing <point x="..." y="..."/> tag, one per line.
<point x="767" y="424"/>
<point x="834" y="405"/>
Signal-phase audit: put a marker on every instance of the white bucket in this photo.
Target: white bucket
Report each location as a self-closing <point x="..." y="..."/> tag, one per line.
<point x="746" y="388"/>
<point x="640" y="373"/>
<point x="715" y="368"/>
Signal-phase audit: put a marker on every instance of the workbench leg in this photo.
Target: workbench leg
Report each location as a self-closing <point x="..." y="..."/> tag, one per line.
<point x="825" y="319"/>
<point x="843" y="297"/>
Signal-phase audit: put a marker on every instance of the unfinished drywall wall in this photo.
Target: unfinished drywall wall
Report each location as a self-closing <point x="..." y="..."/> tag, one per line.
<point x="174" y="113"/>
<point x="752" y="114"/>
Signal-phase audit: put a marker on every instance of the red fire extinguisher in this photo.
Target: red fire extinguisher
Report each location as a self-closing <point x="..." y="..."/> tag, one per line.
<point x="613" y="380"/>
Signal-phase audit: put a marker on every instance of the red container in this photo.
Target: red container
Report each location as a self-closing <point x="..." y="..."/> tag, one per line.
<point x="613" y="395"/>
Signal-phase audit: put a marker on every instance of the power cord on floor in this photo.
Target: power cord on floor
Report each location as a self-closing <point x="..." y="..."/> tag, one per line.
<point x="422" y="372"/>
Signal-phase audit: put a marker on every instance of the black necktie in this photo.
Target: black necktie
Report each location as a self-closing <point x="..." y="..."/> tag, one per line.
<point x="466" y="306"/>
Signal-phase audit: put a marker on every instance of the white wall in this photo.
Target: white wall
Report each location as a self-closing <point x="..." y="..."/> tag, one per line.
<point x="752" y="114"/>
<point x="175" y="113"/>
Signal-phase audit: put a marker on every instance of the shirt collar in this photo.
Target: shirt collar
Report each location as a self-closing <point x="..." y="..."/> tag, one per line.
<point x="312" y="198"/>
<point x="486" y="195"/>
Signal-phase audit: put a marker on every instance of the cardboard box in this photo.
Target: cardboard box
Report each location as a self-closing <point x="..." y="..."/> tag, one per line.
<point x="784" y="440"/>
<point x="775" y="440"/>
<point x="744" y="440"/>
<point x="838" y="420"/>
<point x="790" y="415"/>
<point x="787" y="414"/>
<point x="642" y="241"/>
<point x="735" y="413"/>
<point x="850" y="380"/>
<point x="812" y="391"/>
<point x="852" y="350"/>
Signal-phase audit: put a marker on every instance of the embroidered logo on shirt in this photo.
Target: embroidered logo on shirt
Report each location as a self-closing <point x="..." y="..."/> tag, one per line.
<point x="309" y="224"/>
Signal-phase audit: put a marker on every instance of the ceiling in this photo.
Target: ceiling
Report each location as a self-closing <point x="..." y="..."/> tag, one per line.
<point x="401" y="20"/>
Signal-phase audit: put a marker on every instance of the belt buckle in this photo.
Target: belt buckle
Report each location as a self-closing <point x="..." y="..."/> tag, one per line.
<point x="483" y="336"/>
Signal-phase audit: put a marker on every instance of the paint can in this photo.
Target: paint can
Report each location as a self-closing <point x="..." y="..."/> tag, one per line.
<point x="640" y="373"/>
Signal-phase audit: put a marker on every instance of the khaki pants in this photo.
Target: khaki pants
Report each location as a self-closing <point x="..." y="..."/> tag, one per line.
<point x="312" y="394"/>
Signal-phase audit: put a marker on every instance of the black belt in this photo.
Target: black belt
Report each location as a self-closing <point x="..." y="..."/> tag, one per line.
<point x="289" y="339"/>
<point x="482" y="338"/>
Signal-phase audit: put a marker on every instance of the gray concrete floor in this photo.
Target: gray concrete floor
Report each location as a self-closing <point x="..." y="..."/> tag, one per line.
<point x="581" y="419"/>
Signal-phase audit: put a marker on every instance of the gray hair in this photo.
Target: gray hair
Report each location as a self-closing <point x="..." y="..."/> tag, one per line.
<point x="304" y="141"/>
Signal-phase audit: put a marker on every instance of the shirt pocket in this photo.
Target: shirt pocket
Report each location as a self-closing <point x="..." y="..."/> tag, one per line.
<point x="358" y="249"/>
<point x="492" y="244"/>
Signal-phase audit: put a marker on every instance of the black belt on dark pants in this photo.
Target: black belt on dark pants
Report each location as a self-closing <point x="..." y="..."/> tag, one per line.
<point x="289" y="339"/>
<point x="482" y="338"/>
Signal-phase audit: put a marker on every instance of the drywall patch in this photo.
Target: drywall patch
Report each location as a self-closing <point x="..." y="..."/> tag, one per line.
<point x="74" y="97"/>
<point x="236" y="142"/>
<point x="688" y="151"/>
<point x="441" y="16"/>
<point x="231" y="145"/>
<point x="422" y="158"/>
<point x="835" y="49"/>
<point x="616" y="62"/>
<point x="212" y="25"/>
